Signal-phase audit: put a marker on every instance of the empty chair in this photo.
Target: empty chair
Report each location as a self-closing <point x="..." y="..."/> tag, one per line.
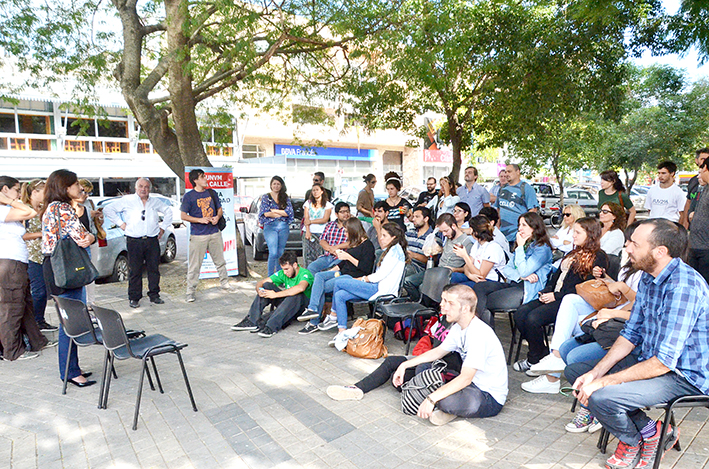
<point x="434" y="281"/>
<point x="145" y="348"/>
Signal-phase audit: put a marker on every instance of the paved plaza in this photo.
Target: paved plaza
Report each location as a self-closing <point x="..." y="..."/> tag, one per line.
<point x="262" y="404"/>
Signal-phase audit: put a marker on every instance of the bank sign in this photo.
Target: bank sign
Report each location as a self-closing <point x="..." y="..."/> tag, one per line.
<point x="322" y="153"/>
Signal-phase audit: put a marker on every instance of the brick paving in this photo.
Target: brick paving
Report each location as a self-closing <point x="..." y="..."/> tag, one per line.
<point x="262" y="404"/>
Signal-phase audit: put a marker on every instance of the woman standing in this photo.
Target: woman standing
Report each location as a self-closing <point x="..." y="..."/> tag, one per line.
<point x="576" y="267"/>
<point x="33" y="196"/>
<point x="365" y="199"/>
<point x="275" y="215"/>
<point x="563" y="239"/>
<point x="399" y="208"/>
<point x="16" y="312"/>
<point x="447" y="197"/>
<point x="612" y="218"/>
<point x="60" y="220"/>
<point x="357" y="261"/>
<point x="316" y="213"/>
<point x="385" y="281"/>
<point x="613" y="190"/>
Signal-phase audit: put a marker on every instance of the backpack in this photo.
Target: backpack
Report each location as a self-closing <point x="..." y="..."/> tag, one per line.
<point x="369" y="341"/>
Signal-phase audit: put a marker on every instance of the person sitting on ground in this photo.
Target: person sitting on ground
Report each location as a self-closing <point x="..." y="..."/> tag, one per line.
<point x="573" y="311"/>
<point x="576" y="267"/>
<point x="497" y="236"/>
<point x="526" y="272"/>
<point x="480" y="388"/>
<point x="385" y="281"/>
<point x="416" y="238"/>
<point x="669" y="324"/>
<point x="356" y="261"/>
<point x="381" y="210"/>
<point x="334" y="237"/>
<point x="563" y="238"/>
<point x="484" y="260"/>
<point x="448" y="227"/>
<point x="288" y="290"/>
<point x="612" y="218"/>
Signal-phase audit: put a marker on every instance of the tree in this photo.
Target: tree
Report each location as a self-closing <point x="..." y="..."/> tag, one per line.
<point x="170" y="57"/>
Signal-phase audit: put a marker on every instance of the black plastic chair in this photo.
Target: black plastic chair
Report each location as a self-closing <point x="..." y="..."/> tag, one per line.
<point x="146" y="348"/>
<point x="507" y="301"/>
<point x="613" y="266"/>
<point x="699" y="400"/>
<point x="434" y="281"/>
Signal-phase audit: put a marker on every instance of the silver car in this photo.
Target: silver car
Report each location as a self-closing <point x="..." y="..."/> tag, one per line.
<point x="254" y="231"/>
<point x="110" y="256"/>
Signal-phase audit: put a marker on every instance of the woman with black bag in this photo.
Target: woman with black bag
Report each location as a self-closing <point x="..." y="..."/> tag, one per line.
<point x="59" y="220"/>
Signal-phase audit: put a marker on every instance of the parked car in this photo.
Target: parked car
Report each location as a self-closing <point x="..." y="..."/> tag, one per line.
<point x="241" y="201"/>
<point x="548" y="196"/>
<point x="173" y="204"/>
<point x="110" y="256"/>
<point x="637" y="196"/>
<point x="253" y="231"/>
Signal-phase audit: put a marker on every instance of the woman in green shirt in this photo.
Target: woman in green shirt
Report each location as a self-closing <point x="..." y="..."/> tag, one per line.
<point x="613" y="190"/>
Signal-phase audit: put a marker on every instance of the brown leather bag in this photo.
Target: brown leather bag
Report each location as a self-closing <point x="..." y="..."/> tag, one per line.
<point x="597" y="294"/>
<point x="369" y="342"/>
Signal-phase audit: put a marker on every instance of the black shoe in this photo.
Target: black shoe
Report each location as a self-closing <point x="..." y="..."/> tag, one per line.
<point x="245" y="325"/>
<point x="85" y="384"/>
<point x="87" y="374"/>
<point x="45" y="326"/>
<point x="134" y="303"/>
<point x="308" y="329"/>
<point x="266" y="332"/>
<point x="157" y="300"/>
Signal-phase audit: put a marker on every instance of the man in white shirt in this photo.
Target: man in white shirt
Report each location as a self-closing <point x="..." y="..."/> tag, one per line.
<point x="138" y="216"/>
<point x="665" y="199"/>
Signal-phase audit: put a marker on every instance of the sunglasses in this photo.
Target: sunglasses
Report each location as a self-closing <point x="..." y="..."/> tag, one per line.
<point x="142" y="215"/>
<point x="606" y="211"/>
<point x="567" y="214"/>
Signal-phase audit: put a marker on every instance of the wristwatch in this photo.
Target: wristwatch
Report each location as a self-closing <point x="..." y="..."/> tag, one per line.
<point x="428" y="398"/>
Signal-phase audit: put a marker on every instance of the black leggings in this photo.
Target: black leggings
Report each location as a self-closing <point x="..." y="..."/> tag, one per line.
<point x="530" y="319"/>
<point x="386" y="370"/>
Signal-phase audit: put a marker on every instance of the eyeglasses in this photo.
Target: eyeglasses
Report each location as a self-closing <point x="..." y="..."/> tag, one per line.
<point x="606" y="211"/>
<point x="567" y="214"/>
<point x="142" y="215"/>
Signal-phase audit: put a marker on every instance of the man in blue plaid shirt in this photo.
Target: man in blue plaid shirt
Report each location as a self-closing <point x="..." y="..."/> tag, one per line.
<point x="669" y="324"/>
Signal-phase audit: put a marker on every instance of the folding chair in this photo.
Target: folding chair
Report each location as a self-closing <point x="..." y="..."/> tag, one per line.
<point x="434" y="281"/>
<point x="146" y="348"/>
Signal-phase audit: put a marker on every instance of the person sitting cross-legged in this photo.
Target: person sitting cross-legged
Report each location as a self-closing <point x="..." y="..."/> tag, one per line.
<point x="480" y="388"/>
<point x="669" y="324"/>
<point x="296" y="282"/>
<point x="356" y="261"/>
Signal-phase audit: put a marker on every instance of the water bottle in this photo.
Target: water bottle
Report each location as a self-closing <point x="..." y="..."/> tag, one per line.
<point x="429" y="264"/>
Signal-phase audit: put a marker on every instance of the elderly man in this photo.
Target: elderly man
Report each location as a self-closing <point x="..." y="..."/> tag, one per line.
<point x="669" y="325"/>
<point x="138" y="215"/>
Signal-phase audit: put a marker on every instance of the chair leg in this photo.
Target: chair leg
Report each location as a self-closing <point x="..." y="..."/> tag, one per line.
<point x="150" y="378"/>
<point x="187" y="381"/>
<point x="513" y="332"/>
<point x="108" y="384"/>
<point x="603" y="440"/>
<point x="157" y="376"/>
<point x="573" y="404"/>
<point x="103" y="379"/>
<point x="66" y="368"/>
<point x="140" y="393"/>
<point x="672" y="422"/>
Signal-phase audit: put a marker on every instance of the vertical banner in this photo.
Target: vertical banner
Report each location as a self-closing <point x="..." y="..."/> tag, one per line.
<point x="220" y="180"/>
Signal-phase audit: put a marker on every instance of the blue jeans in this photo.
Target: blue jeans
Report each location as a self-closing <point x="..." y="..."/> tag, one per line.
<point x="64" y="341"/>
<point x="324" y="283"/>
<point x="346" y="289"/>
<point x="322" y="264"/>
<point x="573" y="351"/>
<point x="276" y="235"/>
<point x="618" y="407"/>
<point x="38" y="289"/>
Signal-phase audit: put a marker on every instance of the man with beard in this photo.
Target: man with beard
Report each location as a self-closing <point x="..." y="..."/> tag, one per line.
<point x="416" y="238"/>
<point x="430" y="192"/>
<point x="669" y="323"/>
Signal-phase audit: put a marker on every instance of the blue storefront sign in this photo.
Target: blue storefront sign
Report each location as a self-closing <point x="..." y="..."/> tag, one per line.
<point x="322" y="153"/>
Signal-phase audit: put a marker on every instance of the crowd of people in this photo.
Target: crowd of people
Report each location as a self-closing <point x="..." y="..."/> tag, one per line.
<point x="650" y="345"/>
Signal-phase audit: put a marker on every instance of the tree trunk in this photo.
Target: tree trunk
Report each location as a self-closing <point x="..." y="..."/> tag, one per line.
<point x="630" y="180"/>
<point x="559" y="179"/>
<point x="456" y="135"/>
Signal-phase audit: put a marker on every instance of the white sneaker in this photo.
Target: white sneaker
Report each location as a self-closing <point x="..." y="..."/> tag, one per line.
<point x="549" y="364"/>
<point x="438" y="417"/>
<point x="542" y="385"/>
<point x="345" y="393"/>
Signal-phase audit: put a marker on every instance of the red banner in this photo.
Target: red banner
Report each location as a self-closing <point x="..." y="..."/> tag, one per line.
<point x="438" y="156"/>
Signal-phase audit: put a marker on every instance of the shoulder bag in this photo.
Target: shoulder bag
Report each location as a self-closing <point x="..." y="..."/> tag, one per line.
<point x="71" y="263"/>
<point x="597" y="294"/>
<point x="369" y="342"/>
<point x="221" y="224"/>
<point x="418" y="388"/>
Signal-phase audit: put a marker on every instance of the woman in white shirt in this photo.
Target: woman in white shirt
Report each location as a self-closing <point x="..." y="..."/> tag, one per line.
<point x="316" y="214"/>
<point x="612" y="218"/>
<point x="385" y="280"/>
<point x="486" y="258"/>
<point x="16" y="311"/>
<point x="447" y="197"/>
<point x="563" y="240"/>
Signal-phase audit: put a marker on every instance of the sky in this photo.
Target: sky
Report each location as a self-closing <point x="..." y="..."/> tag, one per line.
<point x="687" y="61"/>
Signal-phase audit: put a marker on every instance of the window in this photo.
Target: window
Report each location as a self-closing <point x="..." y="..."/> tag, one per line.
<point x="7" y="123"/>
<point x="84" y="127"/>
<point x="252" y="151"/>
<point x="34" y="124"/>
<point x="116" y="129"/>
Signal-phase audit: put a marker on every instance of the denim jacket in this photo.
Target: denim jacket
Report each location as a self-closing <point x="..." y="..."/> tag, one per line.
<point x="536" y="259"/>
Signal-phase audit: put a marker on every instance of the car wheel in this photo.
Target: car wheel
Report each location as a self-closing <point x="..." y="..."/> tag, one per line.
<point x="120" y="269"/>
<point x="555" y="220"/>
<point x="170" y="250"/>
<point x="258" y="255"/>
